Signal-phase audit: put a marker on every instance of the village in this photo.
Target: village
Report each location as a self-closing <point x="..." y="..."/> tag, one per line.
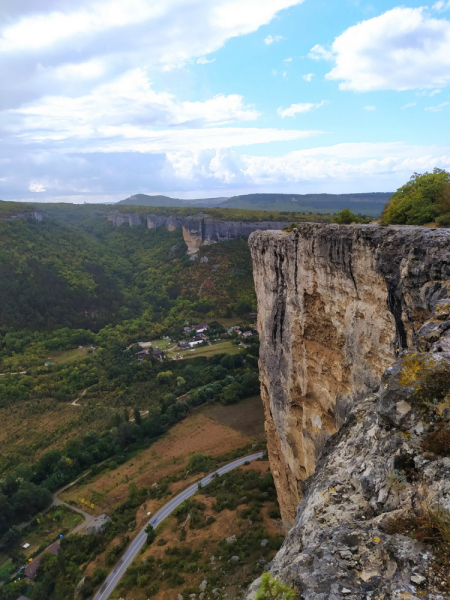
<point x="203" y="339"/>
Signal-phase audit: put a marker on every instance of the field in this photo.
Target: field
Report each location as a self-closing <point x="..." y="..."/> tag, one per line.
<point x="215" y="348"/>
<point x="198" y="433"/>
<point x="65" y="356"/>
<point x="246" y="416"/>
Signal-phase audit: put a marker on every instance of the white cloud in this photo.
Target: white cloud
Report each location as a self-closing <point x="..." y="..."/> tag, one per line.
<point x="442" y="5"/>
<point x="128" y="100"/>
<point x="287" y="60"/>
<point x="36" y="187"/>
<point x="402" y="49"/>
<point x="434" y="92"/>
<point x="318" y="52"/>
<point x="308" y="77"/>
<point x="271" y="39"/>
<point x="39" y="42"/>
<point x="204" y="61"/>
<point x="437" y="108"/>
<point x="409" y="105"/>
<point x="349" y="164"/>
<point x="304" y="107"/>
<point x="370" y="108"/>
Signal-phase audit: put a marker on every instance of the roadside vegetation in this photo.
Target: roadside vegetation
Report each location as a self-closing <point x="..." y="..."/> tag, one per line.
<point x="216" y="542"/>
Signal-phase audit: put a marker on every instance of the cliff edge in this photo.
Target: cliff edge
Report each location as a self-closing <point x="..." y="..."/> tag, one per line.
<point x="340" y="309"/>
<point x="336" y="305"/>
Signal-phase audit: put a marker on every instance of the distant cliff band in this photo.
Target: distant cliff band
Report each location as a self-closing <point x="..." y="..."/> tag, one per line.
<point x="198" y="230"/>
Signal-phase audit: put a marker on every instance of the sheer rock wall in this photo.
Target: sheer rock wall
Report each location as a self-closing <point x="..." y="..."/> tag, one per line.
<point x="198" y="230"/>
<point x="336" y="304"/>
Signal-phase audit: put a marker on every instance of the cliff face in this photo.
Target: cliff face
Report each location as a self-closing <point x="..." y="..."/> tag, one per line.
<point x="336" y="305"/>
<point x="198" y="230"/>
<point x="381" y="490"/>
<point x="29" y="215"/>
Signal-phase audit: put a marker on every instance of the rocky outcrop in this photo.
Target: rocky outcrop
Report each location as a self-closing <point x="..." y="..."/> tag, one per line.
<point x="118" y="219"/>
<point x="336" y="306"/>
<point x="375" y="519"/>
<point x="32" y="215"/>
<point x="198" y="230"/>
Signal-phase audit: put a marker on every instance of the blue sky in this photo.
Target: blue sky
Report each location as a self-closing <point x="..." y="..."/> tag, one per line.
<point x="197" y="98"/>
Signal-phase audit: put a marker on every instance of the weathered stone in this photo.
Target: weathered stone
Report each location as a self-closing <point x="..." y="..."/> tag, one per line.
<point x="373" y="470"/>
<point x="264" y="543"/>
<point x="336" y="304"/>
<point x="231" y="539"/>
<point x="235" y="559"/>
<point x="203" y="585"/>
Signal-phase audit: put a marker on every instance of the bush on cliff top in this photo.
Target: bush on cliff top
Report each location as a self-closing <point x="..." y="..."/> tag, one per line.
<point x="425" y="198"/>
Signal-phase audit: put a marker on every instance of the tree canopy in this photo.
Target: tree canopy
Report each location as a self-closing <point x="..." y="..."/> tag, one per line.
<point x="425" y="198"/>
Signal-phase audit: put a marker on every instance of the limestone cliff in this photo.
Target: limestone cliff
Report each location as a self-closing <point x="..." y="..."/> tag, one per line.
<point x="336" y="305"/>
<point x="375" y="519"/>
<point x="198" y="230"/>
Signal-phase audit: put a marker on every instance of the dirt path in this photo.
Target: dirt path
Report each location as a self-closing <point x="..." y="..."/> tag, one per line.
<point x="17" y="373"/>
<point x="75" y="402"/>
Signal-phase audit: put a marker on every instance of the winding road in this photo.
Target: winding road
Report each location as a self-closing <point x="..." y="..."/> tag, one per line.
<point x="119" y="570"/>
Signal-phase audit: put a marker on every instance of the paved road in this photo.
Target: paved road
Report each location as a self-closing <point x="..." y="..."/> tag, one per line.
<point x="119" y="570"/>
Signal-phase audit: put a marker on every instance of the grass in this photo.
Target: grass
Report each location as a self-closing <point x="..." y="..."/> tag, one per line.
<point x="197" y="433"/>
<point x="222" y="347"/>
<point x="65" y="356"/>
<point x="51" y="525"/>
<point x="246" y="416"/>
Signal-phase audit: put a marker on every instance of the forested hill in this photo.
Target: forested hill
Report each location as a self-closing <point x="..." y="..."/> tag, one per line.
<point x="90" y="274"/>
<point x="366" y="203"/>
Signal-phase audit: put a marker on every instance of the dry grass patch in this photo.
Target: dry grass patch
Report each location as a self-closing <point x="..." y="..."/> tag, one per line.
<point x="197" y="433"/>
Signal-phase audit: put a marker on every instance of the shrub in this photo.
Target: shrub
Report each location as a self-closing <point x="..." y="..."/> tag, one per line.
<point x="271" y="589"/>
<point x="346" y="217"/>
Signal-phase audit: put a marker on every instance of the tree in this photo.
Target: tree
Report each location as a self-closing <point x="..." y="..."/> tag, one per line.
<point x="126" y="415"/>
<point x="151" y="535"/>
<point x="425" y="198"/>
<point x="346" y="217"/>
<point x="11" y="537"/>
<point x="137" y="416"/>
<point x="271" y="589"/>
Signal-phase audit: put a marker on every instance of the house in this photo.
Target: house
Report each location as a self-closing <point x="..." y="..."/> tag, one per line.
<point x="247" y="334"/>
<point x="254" y="315"/>
<point x="238" y="331"/>
<point x="141" y="353"/>
<point x="186" y="329"/>
<point x="193" y="344"/>
<point x="157" y="353"/>
<point x="23" y="598"/>
<point x="200" y="328"/>
<point x="144" y="344"/>
<point x="184" y="344"/>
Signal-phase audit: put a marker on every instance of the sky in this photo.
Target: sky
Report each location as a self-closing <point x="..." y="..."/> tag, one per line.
<point x="200" y="98"/>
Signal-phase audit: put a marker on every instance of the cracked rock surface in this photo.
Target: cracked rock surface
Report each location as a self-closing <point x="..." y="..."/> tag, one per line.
<point x="383" y="468"/>
<point x="336" y="304"/>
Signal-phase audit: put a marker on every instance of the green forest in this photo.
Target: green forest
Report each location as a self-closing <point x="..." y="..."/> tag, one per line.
<point x="72" y="282"/>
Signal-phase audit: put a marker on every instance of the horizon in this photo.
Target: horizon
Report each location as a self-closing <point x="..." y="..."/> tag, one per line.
<point x="278" y="96"/>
